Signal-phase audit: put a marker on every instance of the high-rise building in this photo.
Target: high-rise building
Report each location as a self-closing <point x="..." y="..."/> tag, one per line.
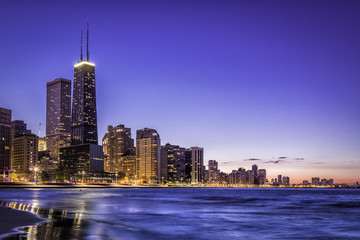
<point x="5" y="141"/>
<point x="117" y="142"/>
<point x="24" y="150"/>
<point x="148" y="147"/>
<point x="18" y="128"/>
<point x="261" y="178"/>
<point x="84" y="116"/>
<point x="286" y="181"/>
<point x="315" y="181"/>
<point x="279" y="180"/>
<point x="84" y="156"/>
<point x="172" y="163"/>
<point x="213" y="171"/>
<point x="195" y="156"/>
<point x="58" y="115"/>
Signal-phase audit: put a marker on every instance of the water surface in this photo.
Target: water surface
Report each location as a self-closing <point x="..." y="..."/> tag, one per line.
<point x="192" y="213"/>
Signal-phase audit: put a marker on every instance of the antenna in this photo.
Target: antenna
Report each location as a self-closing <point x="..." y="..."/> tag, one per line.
<point x="39" y="129"/>
<point x="87" y="41"/>
<point x="81" y="46"/>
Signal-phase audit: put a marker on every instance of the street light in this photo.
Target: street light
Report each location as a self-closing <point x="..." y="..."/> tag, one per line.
<point x="83" y="176"/>
<point x="116" y="178"/>
<point x="36" y="176"/>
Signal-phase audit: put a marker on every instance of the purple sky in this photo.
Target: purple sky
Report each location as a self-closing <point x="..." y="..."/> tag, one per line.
<point x="275" y="83"/>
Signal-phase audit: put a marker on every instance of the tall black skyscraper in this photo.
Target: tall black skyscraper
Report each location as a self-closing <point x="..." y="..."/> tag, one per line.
<point x="84" y="156"/>
<point x="84" y="117"/>
<point x="5" y="140"/>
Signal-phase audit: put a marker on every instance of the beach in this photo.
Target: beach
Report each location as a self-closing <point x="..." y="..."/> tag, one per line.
<point x="12" y="219"/>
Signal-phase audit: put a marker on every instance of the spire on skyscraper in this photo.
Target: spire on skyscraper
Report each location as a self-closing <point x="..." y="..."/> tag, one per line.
<point x="87" y="41"/>
<point x="81" y="46"/>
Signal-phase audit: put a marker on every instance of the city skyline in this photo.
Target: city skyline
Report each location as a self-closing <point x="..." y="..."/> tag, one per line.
<point x="290" y="128"/>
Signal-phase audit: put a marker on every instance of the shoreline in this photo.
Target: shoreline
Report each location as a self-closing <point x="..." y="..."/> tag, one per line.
<point x="13" y="220"/>
<point x="102" y="185"/>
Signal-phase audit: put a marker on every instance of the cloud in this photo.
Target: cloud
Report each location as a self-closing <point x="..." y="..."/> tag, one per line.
<point x="299" y="159"/>
<point x="225" y="163"/>
<point x="282" y="157"/>
<point x="252" y="159"/>
<point x="276" y="161"/>
<point x="318" y="163"/>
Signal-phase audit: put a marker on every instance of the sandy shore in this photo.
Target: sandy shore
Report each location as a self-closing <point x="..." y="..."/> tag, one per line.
<point x="10" y="219"/>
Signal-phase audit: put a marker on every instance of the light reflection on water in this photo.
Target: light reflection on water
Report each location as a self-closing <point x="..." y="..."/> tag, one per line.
<point x="190" y="213"/>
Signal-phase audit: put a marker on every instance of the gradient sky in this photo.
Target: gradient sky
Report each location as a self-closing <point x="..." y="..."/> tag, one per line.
<point x="276" y="83"/>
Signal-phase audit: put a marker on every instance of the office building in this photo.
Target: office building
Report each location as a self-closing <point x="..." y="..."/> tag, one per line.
<point x="58" y="115"/>
<point x="5" y="142"/>
<point x="24" y="150"/>
<point x="148" y="155"/>
<point x="213" y="171"/>
<point x="172" y="163"/>
<point x="84" y="156"/>
<point x="195" y="156"/>
<point x="117" y="142"/>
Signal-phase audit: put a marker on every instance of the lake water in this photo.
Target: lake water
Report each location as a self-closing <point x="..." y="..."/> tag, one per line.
<point x="191" y="213"/>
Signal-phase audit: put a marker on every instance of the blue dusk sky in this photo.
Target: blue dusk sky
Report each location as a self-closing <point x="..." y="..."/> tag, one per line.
<point x="276" y="83"/>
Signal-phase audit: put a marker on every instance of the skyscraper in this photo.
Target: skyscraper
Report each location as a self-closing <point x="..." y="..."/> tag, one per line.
<point x="84" y="156"/>
<point x="117" y="142"/>
<point x="84" y="116"/>
<point x="172" y="163"/>
<point x="196" y="155"/>
<point x="213" y="171"/>
<point x="58" y="115"/>
<point x="24" y="150"/>
<point x="5" y="140"/>
<point x="147" y="154"/>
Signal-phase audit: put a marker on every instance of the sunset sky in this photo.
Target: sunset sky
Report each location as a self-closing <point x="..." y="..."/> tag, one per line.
<point x="273" y="83"/>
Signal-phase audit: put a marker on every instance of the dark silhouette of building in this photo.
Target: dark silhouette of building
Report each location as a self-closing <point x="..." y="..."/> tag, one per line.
<point x="5" y="141"/>
<point x="58" y="115"/>
<point x="172" y="163"/>
<point x="213" y="171"/>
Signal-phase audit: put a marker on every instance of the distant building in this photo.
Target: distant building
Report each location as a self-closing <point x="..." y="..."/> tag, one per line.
<point x="58" y="115"/>
<point x="261" y="176"/>
<point x="173" y="163"/>
<point x="286" y="181"/>
<point x="315" y="181"/>
<point x="195" y="155"/>
<point x="148" y="155"/>
<point x="117" y="142"/>
<point x="213" y="171"/>
<point x="42" y="144"/>
<point x="19" y="128"/>
<point x="279" y="179"/>
<point x="250" y="177"/>
<point x="5" y="142"/>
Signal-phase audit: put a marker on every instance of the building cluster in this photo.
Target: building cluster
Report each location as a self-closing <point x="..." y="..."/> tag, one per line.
<point x="70" y="150"/>
<point x="316" y="182"/>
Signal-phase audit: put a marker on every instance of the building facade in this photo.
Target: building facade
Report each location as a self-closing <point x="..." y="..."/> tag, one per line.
<point x="172" y="163"/>
<point x="213" y="171"/>
<point x="117" y="142"/>
<point x="195" y="155"/>
<point x="58" y="115"/>
<point x="148" y="155"/>
<point x="84" y="156"/>
<point x="84" y="116"/>
<point x="5" y="142"/>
